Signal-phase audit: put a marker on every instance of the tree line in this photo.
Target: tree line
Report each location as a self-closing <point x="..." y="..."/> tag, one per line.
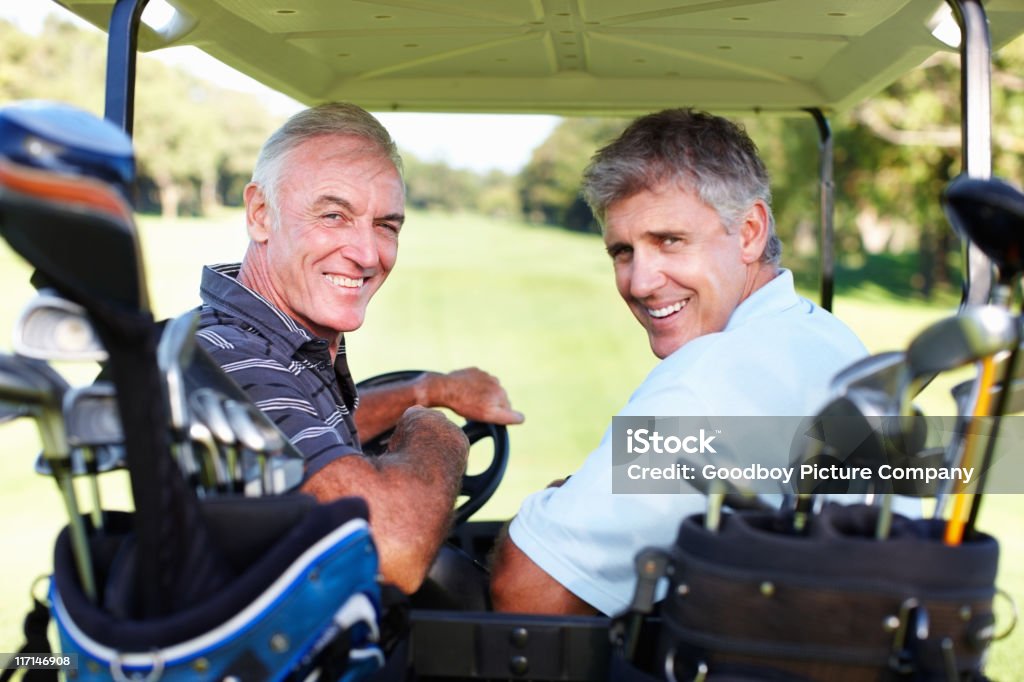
<point x="893" y="154"/>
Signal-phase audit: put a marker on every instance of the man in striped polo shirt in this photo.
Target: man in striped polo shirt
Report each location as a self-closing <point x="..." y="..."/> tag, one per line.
<point x="323" y="213"/>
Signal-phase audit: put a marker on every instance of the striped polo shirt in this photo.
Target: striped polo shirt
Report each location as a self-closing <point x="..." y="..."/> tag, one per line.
<point x="285" y="369"/>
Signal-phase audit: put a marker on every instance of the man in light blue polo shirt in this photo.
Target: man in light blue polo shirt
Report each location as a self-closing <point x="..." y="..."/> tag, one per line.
<point x="684" y="202"/>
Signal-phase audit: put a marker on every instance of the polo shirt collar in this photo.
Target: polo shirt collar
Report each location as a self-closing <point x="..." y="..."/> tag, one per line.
<point x="777" y="295"/>
<point x="221" y="290"/>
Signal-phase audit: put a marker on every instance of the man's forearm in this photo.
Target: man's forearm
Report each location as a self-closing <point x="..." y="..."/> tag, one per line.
<point x="381" y="406"/>
<point x="519" y="585"/>
<point x="410" y="491"/>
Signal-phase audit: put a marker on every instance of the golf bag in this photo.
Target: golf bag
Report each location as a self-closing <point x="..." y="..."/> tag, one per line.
<point x="754" y="601"/>
<point x="185" y="586"/>
<point x="307" y="601"/>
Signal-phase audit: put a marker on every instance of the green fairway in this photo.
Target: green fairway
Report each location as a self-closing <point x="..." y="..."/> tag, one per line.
<point x="535" y="306"/>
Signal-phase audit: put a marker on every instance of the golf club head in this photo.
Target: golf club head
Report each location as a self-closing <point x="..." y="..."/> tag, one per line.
<point x="208" y="407"/>
<point x="37" y="389"/>
<point x="963" y="396"/>
<point x="285" y="464"/>
<point x="61" y="138"/>
<point x="64" y="211"/>
<point x="243" y="422"/>
<point x="53" y="328"/>
<point x="964" y="393"/>
<point x="990" y="213"/>
<point x="213" y="476"/>
<point x="108" y="458"/>
<point x="975" y="333"/>
<point x="91" y="416"/>
<point x="11" y="411"/>
<point x="882" y="372"/>
<point x="174" y="354"/>
<point x="859" y="429"/>
<point x="29" y="381"/>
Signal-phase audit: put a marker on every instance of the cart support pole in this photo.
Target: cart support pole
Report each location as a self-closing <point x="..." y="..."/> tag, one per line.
<point x="826" y="183"/>
<point x="975" y="129"/>
<point x="122" y="41"/>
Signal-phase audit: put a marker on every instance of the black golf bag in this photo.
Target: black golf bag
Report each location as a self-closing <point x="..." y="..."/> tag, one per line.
<point x="754" y="601"/>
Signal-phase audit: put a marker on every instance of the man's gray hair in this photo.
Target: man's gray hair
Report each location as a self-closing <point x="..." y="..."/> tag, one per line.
<point x="330" y="119"/>
<point x="710" y="155"/>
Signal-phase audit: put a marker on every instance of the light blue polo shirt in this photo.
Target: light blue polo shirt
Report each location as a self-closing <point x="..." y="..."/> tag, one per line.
<point x="775" y="357"/>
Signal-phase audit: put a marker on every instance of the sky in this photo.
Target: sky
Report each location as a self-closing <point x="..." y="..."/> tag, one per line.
<point x="475" y="141"/>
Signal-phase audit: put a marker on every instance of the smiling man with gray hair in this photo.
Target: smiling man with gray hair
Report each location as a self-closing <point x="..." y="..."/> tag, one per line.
<point x="324" y="211"/>
<point x="684" y="203"/>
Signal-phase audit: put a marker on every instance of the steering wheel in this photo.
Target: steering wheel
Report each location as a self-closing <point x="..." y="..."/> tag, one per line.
<point x="477" y="488"/>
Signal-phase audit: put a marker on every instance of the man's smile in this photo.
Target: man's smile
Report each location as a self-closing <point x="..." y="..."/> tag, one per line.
<point x="665" y="311"/>
<point x="346" y="282"/>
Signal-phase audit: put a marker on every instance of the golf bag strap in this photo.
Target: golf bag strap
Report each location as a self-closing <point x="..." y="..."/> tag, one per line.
<point x="36" y="623"/>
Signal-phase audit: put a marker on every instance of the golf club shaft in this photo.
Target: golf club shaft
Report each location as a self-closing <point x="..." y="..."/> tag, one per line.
<point x="76" y="527"/>
<point x="958" y="518"/>
<point x="802" y="512"/>
<point x="92" y="471"/>
<point x="955" y="448"/>
<point x="990" y="446"/>
<point x="212" y="476"/>
<point x="884" y="524"/>
<point x="713" y="514"/>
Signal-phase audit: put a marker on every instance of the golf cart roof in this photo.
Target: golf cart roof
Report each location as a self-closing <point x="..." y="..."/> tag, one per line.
<point x="566" y="56"/>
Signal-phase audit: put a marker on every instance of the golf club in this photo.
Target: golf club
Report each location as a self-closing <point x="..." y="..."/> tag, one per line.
<point x="53" y="328"/>
<point x="877" y="379"/>
<point x="254" y="445"/>
<point x="881" y="372"/>
<point x="990" y="213"/>
<point x="975" y="333"/>
<point x="213" y="478"/>
<point x="36" y="386"/>
<point x="108" y="458"/>
<point x="91" y="420"/>
<point x="208" y="406"/>
<point x="956" y="525"/>
<point x="715" y="499"/>
<point x="174" y="353"/>
<point x="64" y="177"/>
<point x="965" y="395"/>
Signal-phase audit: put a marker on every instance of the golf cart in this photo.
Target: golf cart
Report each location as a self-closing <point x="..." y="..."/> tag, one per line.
<point x="566" y="58"/>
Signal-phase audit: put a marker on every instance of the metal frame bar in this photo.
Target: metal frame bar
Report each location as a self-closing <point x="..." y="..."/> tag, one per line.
<point x="826" y="184"/>
<point x="975" y="129"/>
<point x="122" y="44"/>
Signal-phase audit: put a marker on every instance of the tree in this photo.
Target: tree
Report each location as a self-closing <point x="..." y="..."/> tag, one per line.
<point x="176" y="141"/>
<point x="190" y="137"/>
<point x="245" y="124"/>
<point x="64" y="64"/>
<point x="549" y="185"/>
<point x="434" y="185"/>
<point x="905" y="148"/>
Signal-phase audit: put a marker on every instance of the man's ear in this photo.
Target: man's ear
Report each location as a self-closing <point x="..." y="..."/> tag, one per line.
<point x="754" y="232"/>
<point x="258" y="219"/>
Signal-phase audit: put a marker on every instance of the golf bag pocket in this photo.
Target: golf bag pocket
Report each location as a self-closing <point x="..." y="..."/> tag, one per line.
<point x="757" y="601"/>
<point x="310" y="602"/>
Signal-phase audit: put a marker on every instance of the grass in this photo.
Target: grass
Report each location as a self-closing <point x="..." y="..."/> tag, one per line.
<point x="537" y="307"/>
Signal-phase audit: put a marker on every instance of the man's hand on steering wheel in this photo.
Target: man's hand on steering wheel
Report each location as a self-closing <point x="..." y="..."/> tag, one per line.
<point x="471" y="393"/>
